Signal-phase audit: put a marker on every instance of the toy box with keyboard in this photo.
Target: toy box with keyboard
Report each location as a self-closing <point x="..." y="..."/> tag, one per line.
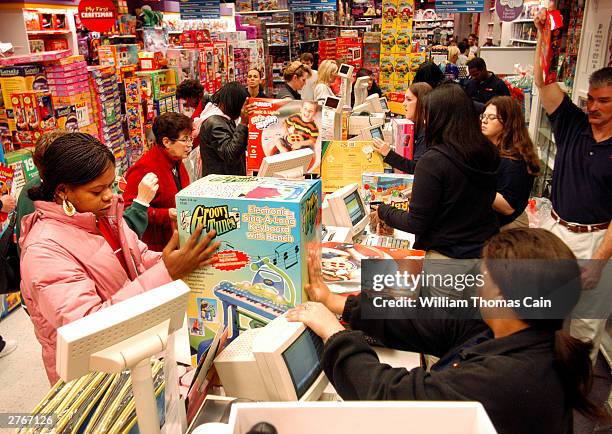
<point x="265" y="226"/>
<point x="391" y="188"/>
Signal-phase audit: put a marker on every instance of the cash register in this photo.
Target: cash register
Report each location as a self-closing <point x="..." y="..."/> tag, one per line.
<point x="346" y="220"/>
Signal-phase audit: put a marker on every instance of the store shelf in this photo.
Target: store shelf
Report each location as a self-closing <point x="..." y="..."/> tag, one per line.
<point x="524" y="20"/>
<point x="524" y="41"/>
<point x="279" y="45"/>
<point x="122" y="36"/>
<point x="428" y="21"/>
<point x="262" y="12"/>
<point x="337" y="26"/>
<point x="45" y="56"/>
<point x="278" y="24"/>
<point x="48" y="32"/>
<point x="175" y="32"/>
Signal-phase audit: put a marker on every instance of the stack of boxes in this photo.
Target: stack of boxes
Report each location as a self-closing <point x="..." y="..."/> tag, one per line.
<point x="18" y="79"/>
<point x="160" y="90"/>
<point x="69" y="86"/>
<point x="186" y="63"/>
<point x="135" y="117"/>
<point x="107" y="113"/>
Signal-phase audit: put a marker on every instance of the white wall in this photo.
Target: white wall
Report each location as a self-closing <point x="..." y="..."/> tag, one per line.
<point x="598" y="13"/>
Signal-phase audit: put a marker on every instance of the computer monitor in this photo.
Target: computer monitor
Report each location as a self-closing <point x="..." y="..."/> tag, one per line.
<point x="373" y="133"/>
<point x="346" y="71"/>
<point x="345" y="208"/>
<point x="384" y="105"/>
<point x="361" y="89"/>
<point x="333" y="103"/>
<point x="372" y="104"/>
<point x="287" y="165"/>
<point x="279" y="362"/>
<point x="125" y="336"/>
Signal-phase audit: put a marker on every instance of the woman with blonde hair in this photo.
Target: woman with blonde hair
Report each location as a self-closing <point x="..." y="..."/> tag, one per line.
<point x="503" y="123"/>
<point x="327" y="73"/>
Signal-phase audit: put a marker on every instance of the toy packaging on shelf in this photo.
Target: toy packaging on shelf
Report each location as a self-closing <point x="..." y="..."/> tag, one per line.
<point x="343" y="162"/>
<point x="6" y="187"/>
<point x="265" y="227"/>
<point x="391" y="188"/>
<point x="34" y="116"/>
<point x="185" y="62"/>
<point x="118" y="55"/>
<point x="22" y="163"/>
<point x="279" y="126"/>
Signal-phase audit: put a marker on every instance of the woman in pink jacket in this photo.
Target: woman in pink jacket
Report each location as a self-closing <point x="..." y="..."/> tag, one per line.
<point x="78" y="254"/>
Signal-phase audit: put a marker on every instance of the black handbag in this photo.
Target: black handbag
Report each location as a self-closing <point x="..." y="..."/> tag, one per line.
<point x="10" y="275"/>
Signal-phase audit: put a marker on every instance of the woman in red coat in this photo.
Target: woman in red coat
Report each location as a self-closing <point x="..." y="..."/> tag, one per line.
<point x="173" y="143"/>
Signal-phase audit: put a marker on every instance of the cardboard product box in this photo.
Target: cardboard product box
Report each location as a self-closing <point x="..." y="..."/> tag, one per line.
<point x="22" y="163"/>
<point x="33" y="111"/>
<point x="6" y="137"/>
<point x="403" y="137"/>
<point x="280" y="126"/>
<point x="220" y="64"/>
<point x="37" y="45"/>
<point x="20" y="79"/>
<point x="186" y="63"/>
<point x="265" y="227"/>
<point x="9" y="302"/>
<point x="394" y="189"/>
<point x="118" y="55"/>
<point x="343" y="162"/>
<point x="66" y="118"/>
<point x="551" y="46"/>
<point x="56" y="44"/>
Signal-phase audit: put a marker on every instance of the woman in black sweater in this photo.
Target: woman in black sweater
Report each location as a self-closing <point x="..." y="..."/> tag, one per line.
<point x="415" y="111"/>
<point x="454" y="183"/>
<point x="527" y="373"/>
<point x="503" y="123"/>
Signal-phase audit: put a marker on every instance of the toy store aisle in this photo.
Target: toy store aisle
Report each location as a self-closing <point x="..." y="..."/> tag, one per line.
<point x="23" y="381"/>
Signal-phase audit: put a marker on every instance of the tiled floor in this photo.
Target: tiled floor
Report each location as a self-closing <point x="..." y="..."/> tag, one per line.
<point x="23" y="381"/>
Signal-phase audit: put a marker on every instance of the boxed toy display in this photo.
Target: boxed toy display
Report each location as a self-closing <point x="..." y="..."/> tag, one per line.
<point x="265" y="226"/>
<point x="343" y="162"/>
<point x="394" y="189"/>
<point x="22" y="163"/>
<point x="403" y="137"/>
<point x="551" y="45"/>
<point x="279" y="126"/>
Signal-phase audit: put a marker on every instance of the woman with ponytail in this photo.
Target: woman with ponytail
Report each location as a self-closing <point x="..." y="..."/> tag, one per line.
<point x="503" y="123"/>
<point x="512" y="356"/>
<point x="77" y="253"/>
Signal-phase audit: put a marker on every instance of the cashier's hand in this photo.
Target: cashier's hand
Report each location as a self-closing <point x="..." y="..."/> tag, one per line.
<point x="245" y="114"/>
<point x="540" y="20"/>
<point x="317" y="290"/>
<point x="8" y="203"/>
<point x="316" y="316"/>
<point x="172" y="213"/>
<point x="383" y="148"/>
<point x="192" y="255"/>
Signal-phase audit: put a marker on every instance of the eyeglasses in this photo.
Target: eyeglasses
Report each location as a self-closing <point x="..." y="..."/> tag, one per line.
<point x="185" y="140"/>
<point x="489" y="117"/>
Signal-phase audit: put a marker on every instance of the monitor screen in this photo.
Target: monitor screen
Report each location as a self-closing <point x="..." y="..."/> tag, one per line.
<point x="377" y="133"/>
<point x="332" y="102"/>
<point x="355" y="208"/>
<point x="303" y="360"/>
<point x="344" y="69"/>
<point x="383" y="104"/>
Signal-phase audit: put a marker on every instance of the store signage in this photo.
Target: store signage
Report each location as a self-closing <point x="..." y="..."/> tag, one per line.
<point x="460" y="6"/>
<point x="312" y="5"/>
<point x="508" y="10"/>
<point x="200" y="9"/>
<point x="97" y="15"/>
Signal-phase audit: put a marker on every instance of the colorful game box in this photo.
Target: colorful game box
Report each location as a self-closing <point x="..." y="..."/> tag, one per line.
<point x="403" y="137"/>
<point x="394" y="189"/>
<point x="280" y="126"/>
<point x="265" y="226"/>
<point x="551" y="46"/>
<point x="343" y="162"/>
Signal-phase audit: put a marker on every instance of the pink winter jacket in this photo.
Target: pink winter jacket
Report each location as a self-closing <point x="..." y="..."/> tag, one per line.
<point x="68" y="270"/>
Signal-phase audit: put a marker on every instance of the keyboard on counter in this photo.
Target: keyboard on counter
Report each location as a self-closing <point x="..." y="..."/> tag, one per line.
<point x="374" y="240"/>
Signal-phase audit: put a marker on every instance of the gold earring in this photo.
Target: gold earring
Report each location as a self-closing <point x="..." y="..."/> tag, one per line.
<point x="69" y="209"/>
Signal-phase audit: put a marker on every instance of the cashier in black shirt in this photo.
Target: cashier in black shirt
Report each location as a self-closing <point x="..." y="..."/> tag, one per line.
<point x="295" y="76"/>
<point x="528" y="374"/>
<point x="483" y="84"/>
<point x="503" y="123"/>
